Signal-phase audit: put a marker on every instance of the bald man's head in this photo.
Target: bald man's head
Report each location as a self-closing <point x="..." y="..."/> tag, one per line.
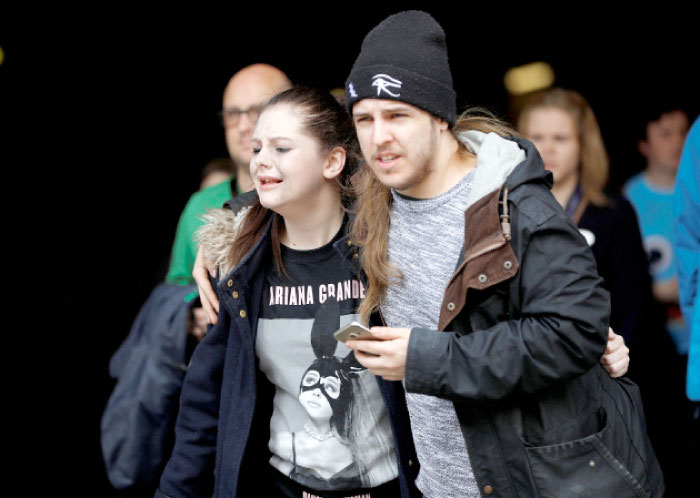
<point x="248" y="89"/>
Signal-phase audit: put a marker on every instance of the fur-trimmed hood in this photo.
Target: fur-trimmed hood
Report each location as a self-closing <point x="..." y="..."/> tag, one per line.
<point x="217" y="235"/>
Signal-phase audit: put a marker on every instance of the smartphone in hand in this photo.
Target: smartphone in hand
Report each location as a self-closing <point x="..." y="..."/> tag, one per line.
<point x="354" y="330"/>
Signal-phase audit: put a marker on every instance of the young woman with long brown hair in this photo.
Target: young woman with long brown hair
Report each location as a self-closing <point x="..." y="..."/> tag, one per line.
<point x="563" y="127"/>
<point x="272" y="404"/>
<point x="565" y="131"/>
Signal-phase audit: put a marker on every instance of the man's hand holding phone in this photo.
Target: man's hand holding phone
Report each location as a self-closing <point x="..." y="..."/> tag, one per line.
<point x="383" y="351"/>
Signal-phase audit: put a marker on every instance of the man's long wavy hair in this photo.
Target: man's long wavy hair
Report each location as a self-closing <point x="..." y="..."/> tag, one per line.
<point x="594" y="165"/>
<point x="370" y="229"/>
<point x="329" y="122"/>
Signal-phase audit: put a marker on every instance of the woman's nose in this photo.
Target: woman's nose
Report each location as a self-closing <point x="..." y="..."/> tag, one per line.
<point x="260" y="159"/>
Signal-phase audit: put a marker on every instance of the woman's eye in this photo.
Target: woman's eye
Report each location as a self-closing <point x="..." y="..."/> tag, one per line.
<point x="282" y="149"/>
<point x="310" y="379"/>
<point x="332" y="386"/>
<point x="256" y="150"/>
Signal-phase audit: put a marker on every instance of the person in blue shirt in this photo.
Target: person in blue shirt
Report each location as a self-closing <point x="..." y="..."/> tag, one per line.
<point x="686" y="208"/>
<point x="651" y="194"/>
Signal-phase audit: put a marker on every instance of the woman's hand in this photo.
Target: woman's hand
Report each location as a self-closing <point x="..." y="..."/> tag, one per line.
<point x="616" y="359"/>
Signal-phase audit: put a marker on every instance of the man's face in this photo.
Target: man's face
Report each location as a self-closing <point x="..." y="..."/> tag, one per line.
<point x="245" y="92"/>
<point x="664" y="143"/>
<point x="398" y="141"/>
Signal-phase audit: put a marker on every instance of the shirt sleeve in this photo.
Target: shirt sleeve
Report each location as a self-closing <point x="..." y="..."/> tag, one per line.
<point x="184" y="249"/>
<point x="686" y="210"/>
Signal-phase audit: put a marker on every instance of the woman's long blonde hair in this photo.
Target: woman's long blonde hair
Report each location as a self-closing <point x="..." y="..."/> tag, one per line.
<point x="370" y="229"/>
<point x="594" y="166"/>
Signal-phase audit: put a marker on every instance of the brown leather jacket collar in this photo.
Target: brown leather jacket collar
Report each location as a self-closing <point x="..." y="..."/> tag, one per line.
<point x="486" y="259"/>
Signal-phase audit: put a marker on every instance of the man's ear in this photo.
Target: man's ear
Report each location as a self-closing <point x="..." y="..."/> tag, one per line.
<point x="335" y="163"/>
<point x="442" y="125"/>
<point x="643" y="147"/>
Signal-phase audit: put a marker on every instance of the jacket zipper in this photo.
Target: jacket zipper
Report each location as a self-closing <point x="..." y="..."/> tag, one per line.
<point x="485" y="250"/>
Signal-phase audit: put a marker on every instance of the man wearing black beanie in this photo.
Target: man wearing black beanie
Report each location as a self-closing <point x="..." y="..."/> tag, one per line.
<point x="495" y="316"/>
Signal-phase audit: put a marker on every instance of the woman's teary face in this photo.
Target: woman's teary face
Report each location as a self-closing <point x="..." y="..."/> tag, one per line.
<point x="288" y="163"/>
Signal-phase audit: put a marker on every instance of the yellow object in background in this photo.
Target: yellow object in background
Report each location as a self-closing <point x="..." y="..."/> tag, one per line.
<point x="528" y="78"/>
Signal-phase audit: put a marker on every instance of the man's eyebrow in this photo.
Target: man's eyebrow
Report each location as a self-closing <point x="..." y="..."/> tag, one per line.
<point x="398" y="108"/>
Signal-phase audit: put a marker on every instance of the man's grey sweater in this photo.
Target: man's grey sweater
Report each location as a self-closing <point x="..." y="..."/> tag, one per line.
<point x="425" y="240"/>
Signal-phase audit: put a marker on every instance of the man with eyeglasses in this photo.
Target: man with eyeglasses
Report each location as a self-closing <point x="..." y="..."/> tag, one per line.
<point x="245" y="93"/>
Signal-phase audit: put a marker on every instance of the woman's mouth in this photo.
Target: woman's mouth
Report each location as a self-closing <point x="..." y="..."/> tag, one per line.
<point x="268" y="182"/>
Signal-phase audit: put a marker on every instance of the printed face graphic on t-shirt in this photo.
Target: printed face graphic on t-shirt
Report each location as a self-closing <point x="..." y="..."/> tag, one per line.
<point x="330" y="386"/>
<point x="329" y="429"/>
<point x="317" y="394"/>
<point x="317" y="449"/>
<point x="316" y="405"/>
<point x="327" y="384"/>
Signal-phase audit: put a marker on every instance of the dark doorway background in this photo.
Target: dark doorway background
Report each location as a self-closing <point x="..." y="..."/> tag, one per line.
<point x="109" y="121"/>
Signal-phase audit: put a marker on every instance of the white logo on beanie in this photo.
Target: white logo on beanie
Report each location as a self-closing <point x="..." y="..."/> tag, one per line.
<point x="352" y="91"/>
<point x="383" y="82"/>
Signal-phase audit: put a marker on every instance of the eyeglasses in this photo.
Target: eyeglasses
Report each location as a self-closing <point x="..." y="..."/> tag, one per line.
<point x="231" y="116"/>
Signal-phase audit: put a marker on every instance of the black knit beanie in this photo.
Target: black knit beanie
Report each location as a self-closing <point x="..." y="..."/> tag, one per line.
<point x="405" y="58"/>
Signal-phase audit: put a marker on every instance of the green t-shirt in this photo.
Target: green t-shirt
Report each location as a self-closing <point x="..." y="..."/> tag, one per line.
<point x="185" y="247"/>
